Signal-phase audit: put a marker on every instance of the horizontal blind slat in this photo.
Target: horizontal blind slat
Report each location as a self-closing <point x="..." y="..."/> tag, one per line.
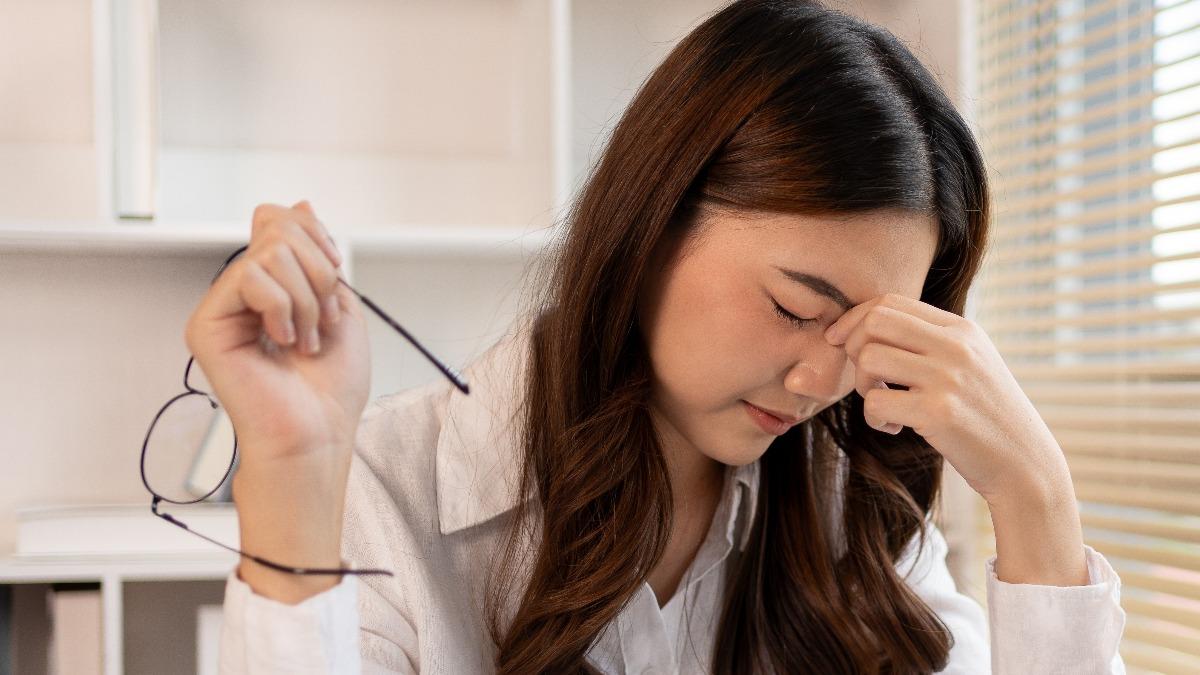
<point x="1079" y="417"/>
<point x="1129" y="159"/>
<point x="1051" y="345"/>
<point x="1003" y="137"/>
<point x="1151" y="633"/>
<point x="1117" y="444"/>
<point x="1010" y="252"/>
<point x="1158" y="527"/>
<point x="1156" y="499"/>
<point x="1122" y="185"/>
<point x="1157" y="659"/>
<point x="1183" y="394"/>
<point x="993" y="300"/>
<point x="998" y="325"/>
<point x="1084" y="40"/>
<point x="1003" y="90"/>
<point x="1048" y="225"/>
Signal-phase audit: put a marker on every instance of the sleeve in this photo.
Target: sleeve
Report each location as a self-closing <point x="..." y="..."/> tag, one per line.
<point x="362" y="625"/>
<point x="263" y="635"/>
<point x="1028" y="628"/>
<point x="1057" y="629"/>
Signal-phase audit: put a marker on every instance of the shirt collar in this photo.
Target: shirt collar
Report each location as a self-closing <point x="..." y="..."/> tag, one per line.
<point x="478" y="452"/>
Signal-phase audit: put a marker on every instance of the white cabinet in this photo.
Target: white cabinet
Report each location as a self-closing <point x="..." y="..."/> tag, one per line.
<point x="438" y="140"/>
<point x="382" y="114"/>
<point x="49" y="159"/>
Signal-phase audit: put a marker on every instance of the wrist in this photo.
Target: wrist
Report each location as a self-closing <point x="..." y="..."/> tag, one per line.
<point x="285" y="587"/>
<point x="289" y="516"/>
<point x="1039" y="539"/>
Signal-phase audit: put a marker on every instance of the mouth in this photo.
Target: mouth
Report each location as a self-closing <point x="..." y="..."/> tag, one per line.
<point x="772" y="422"/>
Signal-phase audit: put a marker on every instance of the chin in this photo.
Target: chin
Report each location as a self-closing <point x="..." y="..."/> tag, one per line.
<point x="742" y="455"/>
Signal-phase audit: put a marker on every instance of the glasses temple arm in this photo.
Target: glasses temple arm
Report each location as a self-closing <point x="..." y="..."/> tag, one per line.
<point x="262" y="561"/>
<point x="446" y="370"/>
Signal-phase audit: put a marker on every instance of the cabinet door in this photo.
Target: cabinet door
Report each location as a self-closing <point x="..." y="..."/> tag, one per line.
<point x="379" y="113"/>
<point x="48" y="156"/>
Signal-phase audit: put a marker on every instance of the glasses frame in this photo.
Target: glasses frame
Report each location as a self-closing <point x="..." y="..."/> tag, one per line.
<point x="450" y="374"/>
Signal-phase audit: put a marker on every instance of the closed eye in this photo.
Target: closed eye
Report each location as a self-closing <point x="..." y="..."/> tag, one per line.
<point x="792" y="318"/>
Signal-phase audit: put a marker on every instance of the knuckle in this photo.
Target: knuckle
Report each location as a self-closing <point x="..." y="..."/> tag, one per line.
<point x="262" y="215"/>
<point x="964" y="353"/>
<point x="275" y="252"/>
<point x="327" y="277"/>
<point x="954" y="377"/>
<point x="874" y="320"/>
<point x="868" y="357"/>
<point x="942" y="406"/>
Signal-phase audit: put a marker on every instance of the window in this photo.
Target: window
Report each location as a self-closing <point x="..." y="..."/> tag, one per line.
<point x="1089" y="114"/>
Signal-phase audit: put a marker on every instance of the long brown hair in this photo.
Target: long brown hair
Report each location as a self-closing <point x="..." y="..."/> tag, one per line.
<point x="768" y="105"/>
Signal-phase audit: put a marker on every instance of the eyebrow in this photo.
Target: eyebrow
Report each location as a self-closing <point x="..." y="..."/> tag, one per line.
<point x="819" y="284"/>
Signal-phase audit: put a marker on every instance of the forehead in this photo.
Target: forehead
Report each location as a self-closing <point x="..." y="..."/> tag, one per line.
<point x="867" y="254"/>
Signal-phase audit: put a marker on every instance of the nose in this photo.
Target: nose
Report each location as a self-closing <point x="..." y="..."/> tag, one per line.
<point x="824" y="373"/>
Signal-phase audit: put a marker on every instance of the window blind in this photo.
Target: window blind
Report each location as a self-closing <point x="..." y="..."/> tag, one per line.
<point x="1089" y="115"/>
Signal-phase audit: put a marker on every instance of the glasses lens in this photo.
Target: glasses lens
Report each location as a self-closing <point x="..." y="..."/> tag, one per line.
<point x="189" y="451"/>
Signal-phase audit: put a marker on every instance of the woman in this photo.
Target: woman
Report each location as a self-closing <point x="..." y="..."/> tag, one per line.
<point x="684" y="457"/>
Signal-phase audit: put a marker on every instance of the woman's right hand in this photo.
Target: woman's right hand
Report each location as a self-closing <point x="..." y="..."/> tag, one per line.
<point x="295" y="412"/>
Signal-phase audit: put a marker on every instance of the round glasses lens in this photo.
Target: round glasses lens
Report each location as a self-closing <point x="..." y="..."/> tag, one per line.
<point x="189" y="451"/>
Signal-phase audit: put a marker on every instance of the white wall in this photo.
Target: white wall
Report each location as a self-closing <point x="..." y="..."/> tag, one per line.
<point x="91" y="344"/>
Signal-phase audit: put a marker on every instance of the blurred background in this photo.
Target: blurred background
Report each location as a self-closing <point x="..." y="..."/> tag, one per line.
<point x="439" y="142"/>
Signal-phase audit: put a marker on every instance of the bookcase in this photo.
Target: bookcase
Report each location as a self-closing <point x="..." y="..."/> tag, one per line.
<point x="438" y="140"/>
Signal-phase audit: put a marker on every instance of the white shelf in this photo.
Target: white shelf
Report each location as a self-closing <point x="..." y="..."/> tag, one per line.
<point x="142" y="567"/>
<point x="135" y="237"/>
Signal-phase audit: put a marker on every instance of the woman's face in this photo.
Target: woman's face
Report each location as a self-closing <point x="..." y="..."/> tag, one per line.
<point x="717" y="340"/>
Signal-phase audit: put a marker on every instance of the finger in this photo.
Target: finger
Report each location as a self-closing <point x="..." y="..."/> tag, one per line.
<point x="893" y="409"/>
<point x="864" y="384"/>
<point x="885" y="363"/>
<point x="896" y="328"/>
<point x="837" y="332"/>
<point x="268" y="215"/>
<point x="261" y="293"/>
<point x="921" y="309"/>
<point x="317" y="230"/>
<point x="278" y="258"/>
<point x="321" y="273"/>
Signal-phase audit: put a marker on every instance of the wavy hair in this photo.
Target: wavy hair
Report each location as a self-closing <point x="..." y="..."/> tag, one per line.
<point x="768" y="105"/>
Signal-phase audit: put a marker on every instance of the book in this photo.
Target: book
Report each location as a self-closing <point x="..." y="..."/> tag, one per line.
<point x="76" y="637"/>
<point x="112" y="529"/>
<point x="208" y="639"/>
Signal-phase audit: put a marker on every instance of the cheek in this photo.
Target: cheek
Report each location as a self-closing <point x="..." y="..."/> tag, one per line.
<point x="707" y="344"/>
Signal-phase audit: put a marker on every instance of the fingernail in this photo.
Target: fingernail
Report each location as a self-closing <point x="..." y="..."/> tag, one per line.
<point x="289" y="333"/>
<point x="831" y="334"/>
<point x="314" y="342"/>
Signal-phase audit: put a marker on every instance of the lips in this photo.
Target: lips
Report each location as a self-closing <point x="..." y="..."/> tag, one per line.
<point x="786" y="419"/>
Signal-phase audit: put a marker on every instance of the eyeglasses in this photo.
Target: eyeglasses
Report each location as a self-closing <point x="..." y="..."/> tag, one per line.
<point x="190" y="409"/>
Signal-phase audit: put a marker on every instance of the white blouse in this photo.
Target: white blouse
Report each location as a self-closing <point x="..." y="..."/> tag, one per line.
<point x="432" y="481"/>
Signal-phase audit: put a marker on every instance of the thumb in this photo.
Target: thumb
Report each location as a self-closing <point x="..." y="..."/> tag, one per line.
<point x="304" y="206"/>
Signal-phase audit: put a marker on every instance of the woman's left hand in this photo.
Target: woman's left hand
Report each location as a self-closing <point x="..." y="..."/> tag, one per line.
<point x="961" y="396"/>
